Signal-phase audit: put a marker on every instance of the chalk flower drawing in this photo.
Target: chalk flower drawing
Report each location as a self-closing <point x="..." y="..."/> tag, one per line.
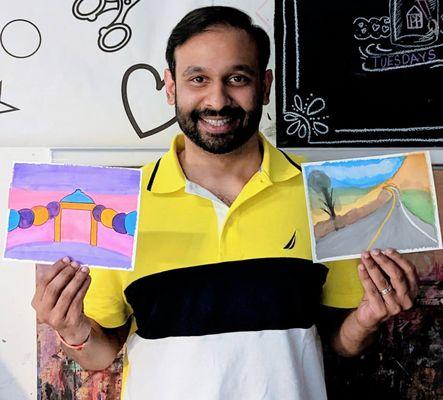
<point x="305" y="117"/>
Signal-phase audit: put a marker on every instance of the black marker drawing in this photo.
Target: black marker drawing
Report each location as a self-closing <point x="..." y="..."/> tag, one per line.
<point x="5" y="107"/>
<point x="117" y="28"/>
<point x="20" y="38"/>
<point x="159" y="83"/>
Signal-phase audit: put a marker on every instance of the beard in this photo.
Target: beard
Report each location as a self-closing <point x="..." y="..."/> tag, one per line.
<point x="244" y="125"/>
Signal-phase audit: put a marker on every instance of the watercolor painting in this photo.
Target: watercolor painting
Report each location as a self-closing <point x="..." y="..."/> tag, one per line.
<point x="372" y="202"/>
<point x="86" y="213"/>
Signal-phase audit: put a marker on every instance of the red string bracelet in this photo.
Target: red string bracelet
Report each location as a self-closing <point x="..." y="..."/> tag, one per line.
<point x="77" y="347"/>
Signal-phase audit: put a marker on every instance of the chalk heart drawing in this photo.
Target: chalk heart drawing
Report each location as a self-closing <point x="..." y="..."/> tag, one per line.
<point x="159" y="84"/>
<point x="305" y="119"/>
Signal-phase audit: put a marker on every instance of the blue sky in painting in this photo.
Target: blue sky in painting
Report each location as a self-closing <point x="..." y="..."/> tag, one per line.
<point x="363" y="173"/>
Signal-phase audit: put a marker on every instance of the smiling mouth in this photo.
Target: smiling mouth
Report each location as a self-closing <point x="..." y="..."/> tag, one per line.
<point x="218" y="125"/>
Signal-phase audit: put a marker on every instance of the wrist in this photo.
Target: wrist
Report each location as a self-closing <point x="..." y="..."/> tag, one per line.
<point x="365" y="329"/>
<point x="75" y="342"/>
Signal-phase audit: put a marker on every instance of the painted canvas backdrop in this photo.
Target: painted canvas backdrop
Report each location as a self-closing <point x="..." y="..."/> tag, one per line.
<point x="74" y="77"/>
<point x="87" y="213"/>
<point x="372" y="202"/>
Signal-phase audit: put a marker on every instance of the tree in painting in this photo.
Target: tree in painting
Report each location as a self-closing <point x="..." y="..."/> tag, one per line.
<point x="321" y="184"/>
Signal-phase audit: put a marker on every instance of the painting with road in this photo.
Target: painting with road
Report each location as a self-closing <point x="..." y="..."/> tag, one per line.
<point x="372" y="202"/>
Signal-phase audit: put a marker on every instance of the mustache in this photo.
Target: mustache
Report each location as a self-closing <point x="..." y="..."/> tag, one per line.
<point x="227" y="111"/>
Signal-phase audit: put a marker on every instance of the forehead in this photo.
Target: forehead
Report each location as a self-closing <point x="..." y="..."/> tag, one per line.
<point x="218" y="48"/>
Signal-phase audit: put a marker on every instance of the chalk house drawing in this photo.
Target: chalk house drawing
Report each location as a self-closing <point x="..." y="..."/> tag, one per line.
<point x="88" y="213"/>
<point x="409" y="37"/>
<point x="118" y="28"/>
<point x="374" y="202"/>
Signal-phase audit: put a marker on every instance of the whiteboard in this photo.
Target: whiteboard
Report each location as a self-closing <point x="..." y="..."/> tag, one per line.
<point x="70" y="81"/>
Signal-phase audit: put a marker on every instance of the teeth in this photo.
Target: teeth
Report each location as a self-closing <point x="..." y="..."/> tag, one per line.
<point x="216" y="122"/>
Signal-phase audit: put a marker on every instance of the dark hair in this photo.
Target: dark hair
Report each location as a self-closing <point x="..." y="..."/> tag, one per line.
<point x="201" y="19"/>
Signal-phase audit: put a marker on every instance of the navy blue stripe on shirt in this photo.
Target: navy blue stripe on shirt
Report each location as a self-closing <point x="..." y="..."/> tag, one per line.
<point x="246" y="295"/>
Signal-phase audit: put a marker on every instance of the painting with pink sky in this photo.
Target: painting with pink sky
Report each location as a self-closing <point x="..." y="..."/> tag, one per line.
<point x="86" y="213"/>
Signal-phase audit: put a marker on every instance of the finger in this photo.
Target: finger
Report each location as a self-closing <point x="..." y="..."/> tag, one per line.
<point x="46" y="273"/>
<point x="69" y="292"/>
<point x="57" y="284"/>
<point x="371" y="293"/>
<point x="381" y="282"/>
<point x="397" y="278"/>
<point x="408" y="268"/>
<point x="76" y="307"/>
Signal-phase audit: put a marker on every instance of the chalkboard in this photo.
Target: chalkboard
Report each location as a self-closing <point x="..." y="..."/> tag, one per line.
<point x="359" y="73"/>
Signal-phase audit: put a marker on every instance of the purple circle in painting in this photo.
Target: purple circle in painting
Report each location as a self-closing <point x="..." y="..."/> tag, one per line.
<point x="53" y="208"/>
<point x="26" y="218"/>
<point x="97" y="212"/>
<point x="118" y="223"/>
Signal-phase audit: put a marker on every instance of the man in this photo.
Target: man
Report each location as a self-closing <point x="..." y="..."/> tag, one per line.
<point x="223" y="300"/>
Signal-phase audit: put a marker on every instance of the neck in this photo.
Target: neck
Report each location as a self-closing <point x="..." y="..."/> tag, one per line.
<point x="207" y="169"/>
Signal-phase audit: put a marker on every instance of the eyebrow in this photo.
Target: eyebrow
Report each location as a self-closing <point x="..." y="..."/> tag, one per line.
<point x="240" y="67"/>
<point x="192" y="70"/>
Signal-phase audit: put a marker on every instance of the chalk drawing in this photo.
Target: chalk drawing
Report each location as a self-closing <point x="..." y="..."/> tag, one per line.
<point x="5" y="107"/>
<point x="372" y="28"/>
<point x="412" y="28"/>
<point x="414" y="22"/>
<point x="116" y="27"/>
<point x="20" y="38"/>
<point x="159" y="84"/>
<point x="364" y="29"/>
<point x="305" y="117"/>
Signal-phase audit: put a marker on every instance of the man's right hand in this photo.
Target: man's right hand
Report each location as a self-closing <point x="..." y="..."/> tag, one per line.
<point x="58" y="299"/>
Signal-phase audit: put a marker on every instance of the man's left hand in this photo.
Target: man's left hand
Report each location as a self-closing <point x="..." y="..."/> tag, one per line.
<point x="391" y="285"/>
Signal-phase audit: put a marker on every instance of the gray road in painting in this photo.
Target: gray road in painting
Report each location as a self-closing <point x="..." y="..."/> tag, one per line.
<point x="390" y="226"/>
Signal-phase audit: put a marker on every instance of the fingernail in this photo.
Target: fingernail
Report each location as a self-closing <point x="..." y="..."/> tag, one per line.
<point x="66" y="259"/>
<point x="361" y="267"/>
<point x="366" y="254"/>
<point x="85" y="269"/>
<point x="389" y="251"/>
<point x="375" y="252"/>
<point x="74" y="264"/>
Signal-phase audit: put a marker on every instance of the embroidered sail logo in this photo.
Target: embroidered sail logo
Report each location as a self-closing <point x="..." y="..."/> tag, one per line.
<point x="291" y="243"/>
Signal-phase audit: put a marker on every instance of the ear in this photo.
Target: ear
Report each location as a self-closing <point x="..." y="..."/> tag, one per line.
<point x="170" y="87"/>
<point x="267" y="83"/>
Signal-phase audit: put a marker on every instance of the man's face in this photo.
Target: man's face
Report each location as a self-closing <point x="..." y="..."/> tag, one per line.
<point x="218" y="91"/>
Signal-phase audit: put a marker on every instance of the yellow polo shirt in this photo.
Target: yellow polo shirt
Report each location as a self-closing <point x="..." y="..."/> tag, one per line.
<point x="207" y="299"/>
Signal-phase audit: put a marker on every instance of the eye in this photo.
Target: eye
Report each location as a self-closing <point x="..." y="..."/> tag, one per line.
<point x="239" y="80"/>
<point x="198" y="79"/>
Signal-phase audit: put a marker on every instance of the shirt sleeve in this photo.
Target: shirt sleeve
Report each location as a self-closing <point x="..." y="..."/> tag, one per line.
<point x="105" y="302"/>
<point x="342" y="288"/>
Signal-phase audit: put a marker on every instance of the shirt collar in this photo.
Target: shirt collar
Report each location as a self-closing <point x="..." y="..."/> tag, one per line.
<point x="169" y="176"/>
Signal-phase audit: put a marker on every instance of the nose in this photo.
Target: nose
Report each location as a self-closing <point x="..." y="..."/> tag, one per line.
<point x="217" y="96"/>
